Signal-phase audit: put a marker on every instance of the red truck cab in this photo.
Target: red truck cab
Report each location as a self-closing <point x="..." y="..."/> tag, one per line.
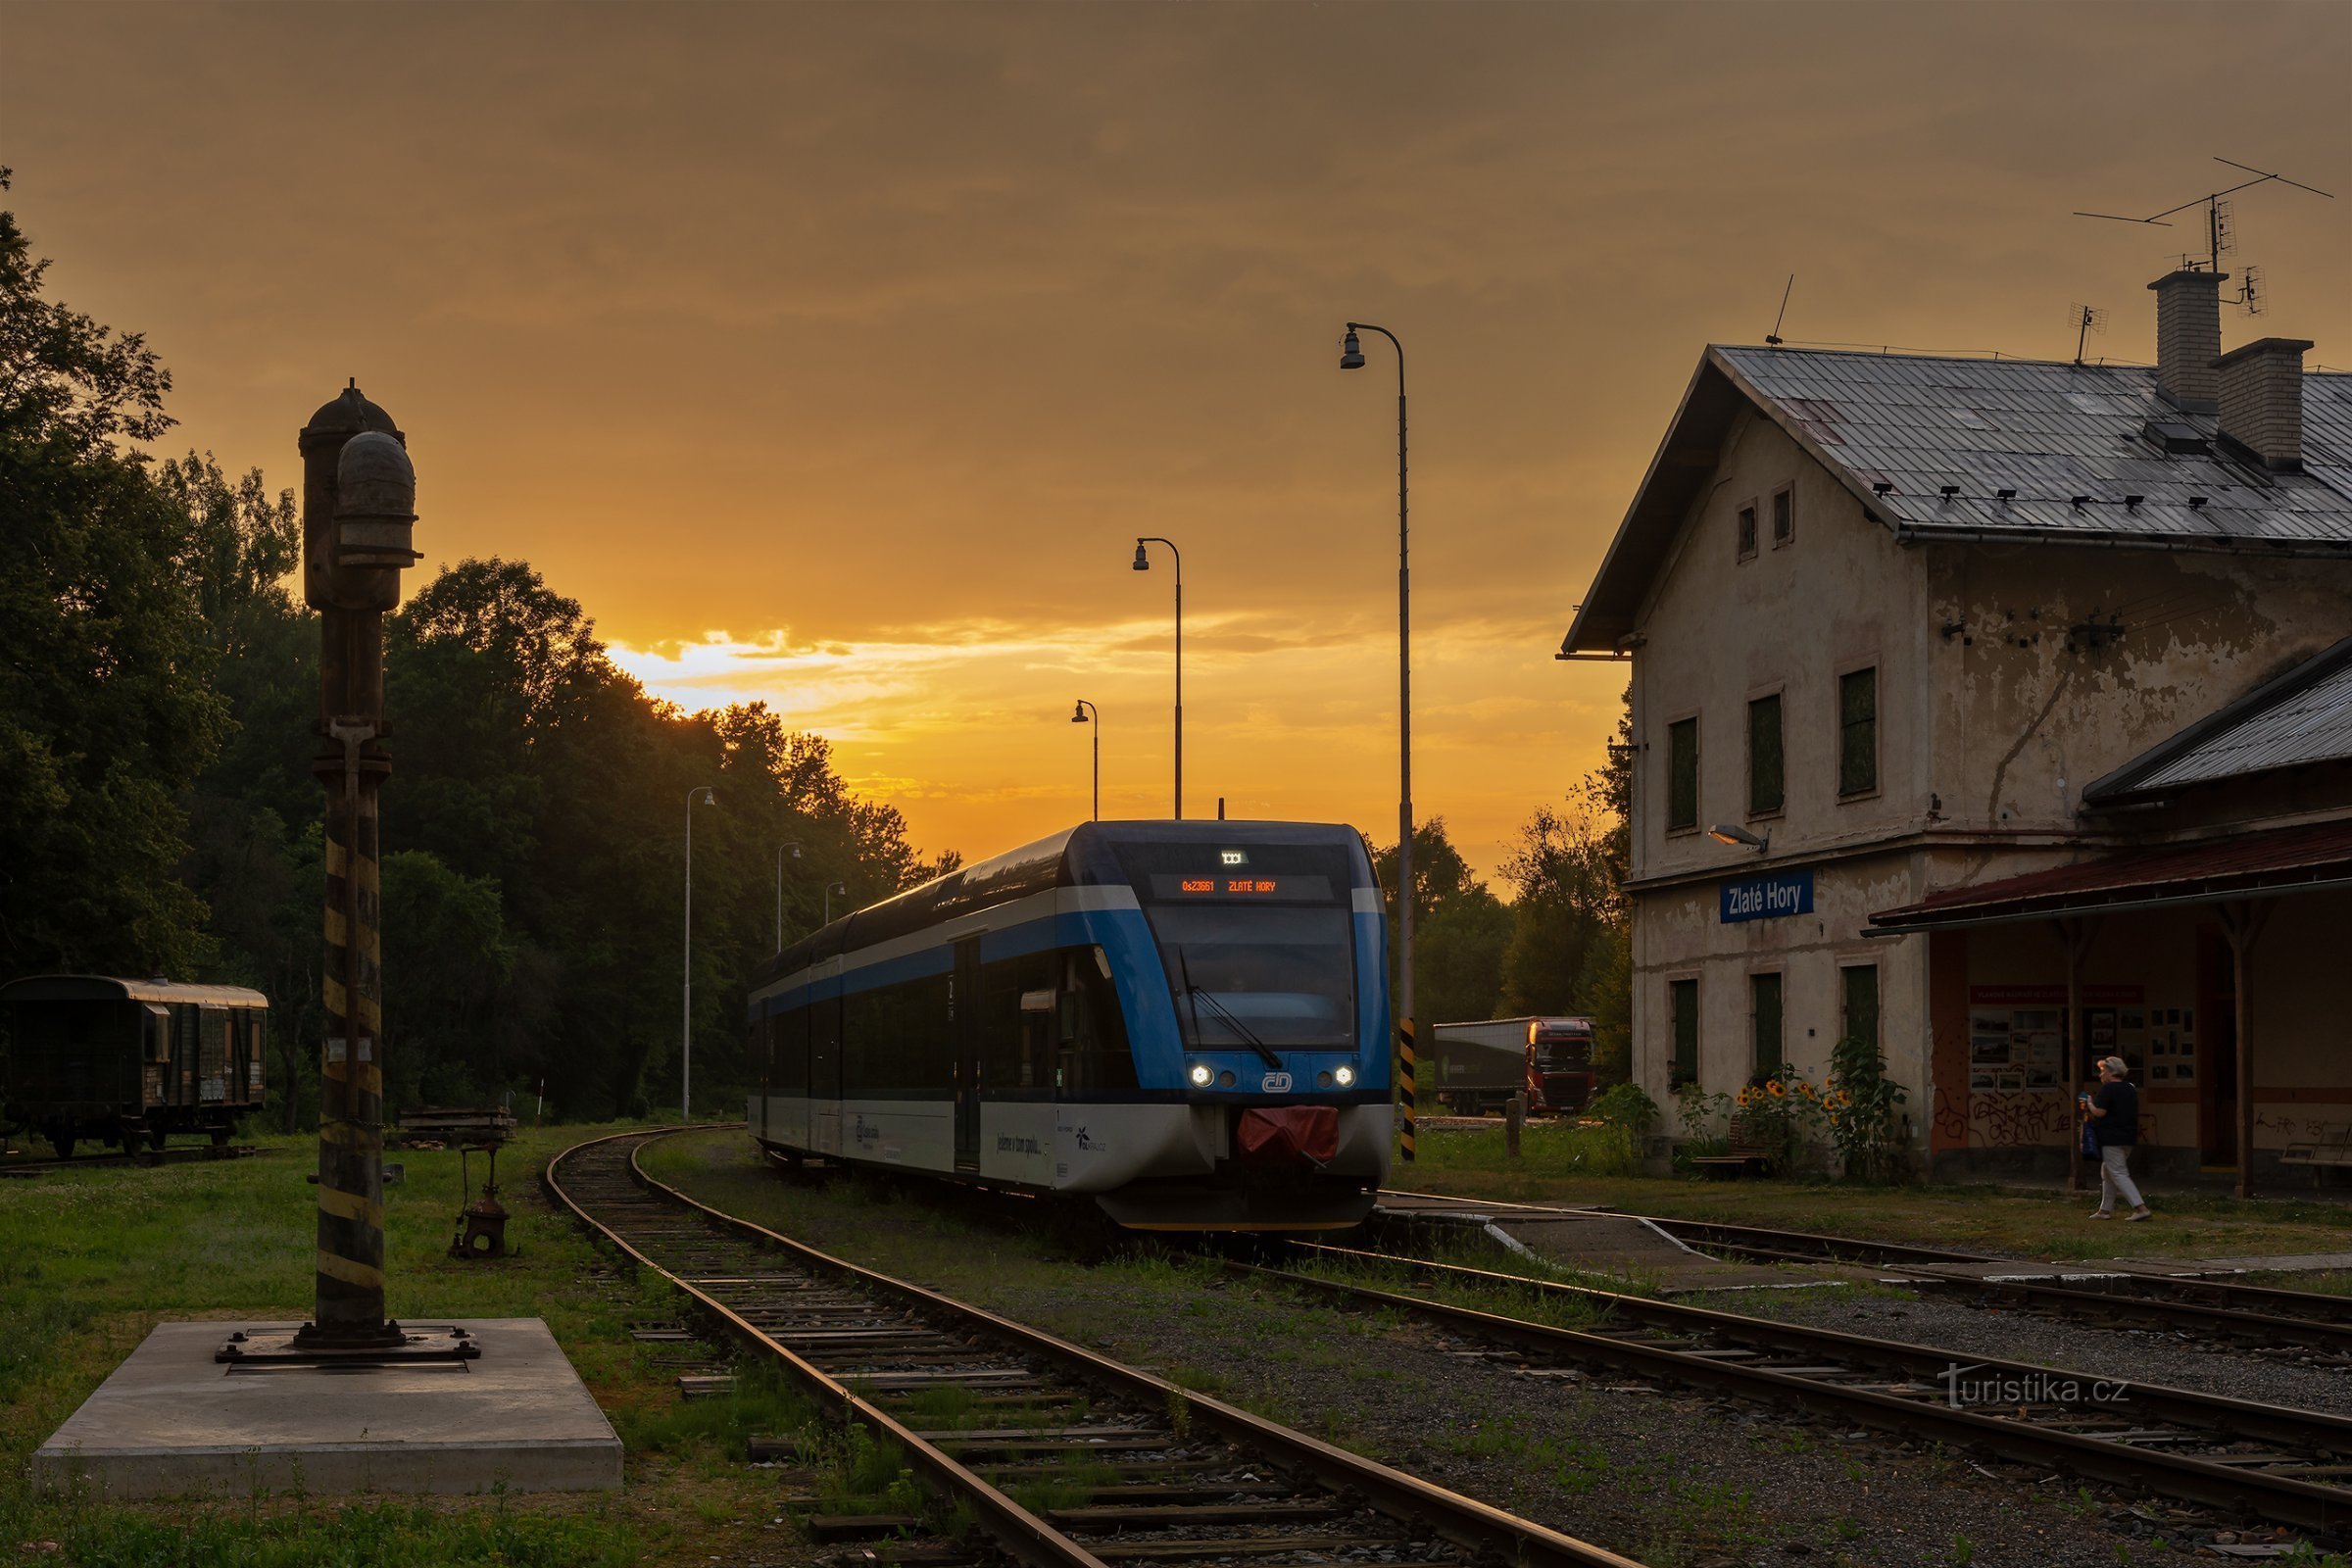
<point x="1559" y="1064"/>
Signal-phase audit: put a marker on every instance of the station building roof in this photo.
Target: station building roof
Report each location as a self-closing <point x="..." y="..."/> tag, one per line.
<point x="2300" y="717"/>
<point x="2089" y="452"/>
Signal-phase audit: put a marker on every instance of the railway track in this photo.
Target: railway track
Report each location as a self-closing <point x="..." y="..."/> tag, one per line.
<point x="2264" y="1317"/>
<point x="2247" y="1315"/>
<point x="1168" y="1478"/>
<point x="190" y="1154"/>
<point x="2248" y="1461"/>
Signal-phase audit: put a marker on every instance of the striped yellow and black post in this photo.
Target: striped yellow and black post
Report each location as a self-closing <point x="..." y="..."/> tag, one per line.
<point x="359" y="495"/>
<point x="1404" y="1088"/>
<point x="350" y="1099"/>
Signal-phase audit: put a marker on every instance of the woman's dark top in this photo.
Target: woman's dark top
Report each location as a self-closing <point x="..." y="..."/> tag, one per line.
<point x="2121" y="1125"/>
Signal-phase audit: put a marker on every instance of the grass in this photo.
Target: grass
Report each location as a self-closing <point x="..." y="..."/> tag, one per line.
<point x="92" y="1259"/>
<point x="1555" y="1168"/>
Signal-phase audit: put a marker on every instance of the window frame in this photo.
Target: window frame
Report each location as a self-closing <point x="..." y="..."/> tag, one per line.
<point x="1777" y="696"/>
<point x="1676" y="829"/>
<point x="1748" y="530"/>
<point x="1870" y="667"/>
<point x="1755" y="1058"/>
<point x="1878" y="1000"/>
<point x="1781" y="539"/>
<point x="1674" y="1015"/>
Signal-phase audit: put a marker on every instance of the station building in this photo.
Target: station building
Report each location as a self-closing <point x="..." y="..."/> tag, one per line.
<point x="2000" y="711"/>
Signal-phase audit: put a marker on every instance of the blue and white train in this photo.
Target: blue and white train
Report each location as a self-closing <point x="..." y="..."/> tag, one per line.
<point x="1187" y="1022"/>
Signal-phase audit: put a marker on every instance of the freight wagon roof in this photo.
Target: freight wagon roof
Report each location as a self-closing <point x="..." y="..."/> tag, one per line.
<point x="106" y="988"/>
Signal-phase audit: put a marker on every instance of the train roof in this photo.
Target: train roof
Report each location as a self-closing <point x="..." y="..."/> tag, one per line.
<point x="1057" y="861"/>
<point x="107" y="988"/>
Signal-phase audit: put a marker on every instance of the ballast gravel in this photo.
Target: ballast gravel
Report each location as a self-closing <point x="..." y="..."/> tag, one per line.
<point x="1669" y="1477"/>
<point x="2308" y="1379"/>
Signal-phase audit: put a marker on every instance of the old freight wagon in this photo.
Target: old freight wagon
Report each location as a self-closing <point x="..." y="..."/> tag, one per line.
<point x="129" y="1061"/>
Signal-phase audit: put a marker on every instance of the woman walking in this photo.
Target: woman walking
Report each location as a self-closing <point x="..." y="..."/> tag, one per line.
<point x="2114" y="1113"/>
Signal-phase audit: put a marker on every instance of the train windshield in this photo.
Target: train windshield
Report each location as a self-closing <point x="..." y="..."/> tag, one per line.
<point x="1260" y="954"/>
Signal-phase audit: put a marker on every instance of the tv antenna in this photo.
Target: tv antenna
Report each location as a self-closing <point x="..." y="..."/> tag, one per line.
<point x="2219" y="236"/>
<point x="1773" y="337"/>
<point x="2084" y="320"/>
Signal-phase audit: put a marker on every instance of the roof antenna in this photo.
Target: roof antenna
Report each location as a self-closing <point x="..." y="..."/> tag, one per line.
<point x="1773" y="337"/>
<point x="2084" y="320"/>
<point x="2218" y="235"/>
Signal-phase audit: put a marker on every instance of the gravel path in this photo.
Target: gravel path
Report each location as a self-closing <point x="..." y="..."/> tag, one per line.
<point x="2147" y="1355"/>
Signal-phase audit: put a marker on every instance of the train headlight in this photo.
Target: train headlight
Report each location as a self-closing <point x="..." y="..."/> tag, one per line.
<point x="1344" y="1076"/>
<point x="1201" y="1075"/>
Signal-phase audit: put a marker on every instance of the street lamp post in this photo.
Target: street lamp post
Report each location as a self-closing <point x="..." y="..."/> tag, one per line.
<point x="1352" y="357"/>
<point x="1143" y="562"/>
<point x="686" y="1027"/>
<point x="793" y="846"/>
<point x="1081" y="716"/>
<point x="831" y="888"/>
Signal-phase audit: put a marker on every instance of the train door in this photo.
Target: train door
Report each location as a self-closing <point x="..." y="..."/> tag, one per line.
<point x="964" y="1022"/>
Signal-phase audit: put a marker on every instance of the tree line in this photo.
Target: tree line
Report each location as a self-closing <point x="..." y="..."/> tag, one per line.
<point x="158" y="700"/>
<point x="158" y="703"/>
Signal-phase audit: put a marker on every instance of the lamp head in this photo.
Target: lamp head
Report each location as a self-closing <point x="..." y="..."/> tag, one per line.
<point x="839" y="889"/>
<point x="792" y="846"/>
<point x="707" y="798"/>
<point x="1352" y="352"/>
<point x="1733" y="833"/>
<point x="1078" y="713"/>
<point x="1143" y="561"/>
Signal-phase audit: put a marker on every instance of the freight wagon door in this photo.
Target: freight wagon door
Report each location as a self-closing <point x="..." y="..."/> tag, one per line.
<point x="963" y="1020"/>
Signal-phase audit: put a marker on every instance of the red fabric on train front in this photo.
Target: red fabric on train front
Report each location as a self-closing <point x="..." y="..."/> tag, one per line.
<point x="1288" y="1135"/>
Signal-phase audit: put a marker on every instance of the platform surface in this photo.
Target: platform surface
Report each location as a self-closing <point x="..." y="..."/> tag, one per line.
<point x="172" y="1422"/>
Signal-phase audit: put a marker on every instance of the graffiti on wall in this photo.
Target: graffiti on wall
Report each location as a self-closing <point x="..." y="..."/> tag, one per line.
<point x="2007" y="1119"/>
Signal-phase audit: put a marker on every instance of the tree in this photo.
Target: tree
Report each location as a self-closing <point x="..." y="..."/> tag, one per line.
<point x="1570" y="947"/>
<point x="1459" y="929"/>
<point x="105" y="707"/>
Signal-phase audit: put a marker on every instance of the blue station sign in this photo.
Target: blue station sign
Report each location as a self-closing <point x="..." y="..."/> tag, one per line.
<point x="1768" y="897"/>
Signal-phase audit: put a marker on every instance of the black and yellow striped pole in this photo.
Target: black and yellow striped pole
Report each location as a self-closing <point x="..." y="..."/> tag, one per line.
<point x="359" y="510"/>
<point x="1404" y="1088"/>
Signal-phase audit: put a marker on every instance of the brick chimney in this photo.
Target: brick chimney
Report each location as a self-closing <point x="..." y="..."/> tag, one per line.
<point x="2188" y="335"/>
<point x="2261" y="399"/>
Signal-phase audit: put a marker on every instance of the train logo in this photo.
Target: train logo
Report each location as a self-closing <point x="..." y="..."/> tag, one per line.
<point x="1275" y="1083"/>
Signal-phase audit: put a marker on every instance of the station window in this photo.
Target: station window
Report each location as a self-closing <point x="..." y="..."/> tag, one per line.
<point x="1681" y="1006"/>
<point x="1764" y="1023"/>
<point x="1858" y="732"/>
<point x="1860" y="985"/>
<point x="1748" y="531"/>
<point x="1783" y="516"/>
<point x="1682" y="774"/>
<point x="1764" y="783"/>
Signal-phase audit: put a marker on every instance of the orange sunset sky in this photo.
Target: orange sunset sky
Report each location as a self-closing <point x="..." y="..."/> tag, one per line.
<point x="835" y="356"/>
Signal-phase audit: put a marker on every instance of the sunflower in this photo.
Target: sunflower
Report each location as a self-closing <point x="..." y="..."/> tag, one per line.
<point x="1805" y="1089"/>
<point x="1777" y="1089"/>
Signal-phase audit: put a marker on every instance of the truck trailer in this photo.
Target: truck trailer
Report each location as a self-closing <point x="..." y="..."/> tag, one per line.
<point x="1476" y="1067"/>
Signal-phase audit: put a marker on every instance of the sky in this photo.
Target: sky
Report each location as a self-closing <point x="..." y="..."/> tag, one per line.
<point x="836" y="356"/>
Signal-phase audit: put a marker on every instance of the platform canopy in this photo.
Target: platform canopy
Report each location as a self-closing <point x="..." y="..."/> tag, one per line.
<point x="2241" y="865"/>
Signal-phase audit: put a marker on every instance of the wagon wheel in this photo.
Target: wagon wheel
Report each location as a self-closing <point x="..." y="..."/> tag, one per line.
<point x="63" y="1142"/>
<point x="220" y="1136"/>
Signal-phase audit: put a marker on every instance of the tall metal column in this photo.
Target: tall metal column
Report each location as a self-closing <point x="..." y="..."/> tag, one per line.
<point x="359" y="495"/>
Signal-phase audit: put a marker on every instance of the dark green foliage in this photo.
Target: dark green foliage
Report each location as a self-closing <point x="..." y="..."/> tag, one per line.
<point x="1459" y="929"/>
<point x="104" y="703"/>
<point x="158" y="720"/>
<point x="1570" y="949"/>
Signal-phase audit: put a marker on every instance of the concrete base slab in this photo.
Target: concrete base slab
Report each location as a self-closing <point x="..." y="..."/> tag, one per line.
<point x="172" y="1422"/>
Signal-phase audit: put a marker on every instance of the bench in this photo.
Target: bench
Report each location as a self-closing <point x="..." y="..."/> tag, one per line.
<point x="2333" y="1147"/>
<point x="1745" y="1156"/>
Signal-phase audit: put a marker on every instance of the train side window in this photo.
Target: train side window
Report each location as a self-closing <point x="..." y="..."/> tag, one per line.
<point x="1097" y="1027"/>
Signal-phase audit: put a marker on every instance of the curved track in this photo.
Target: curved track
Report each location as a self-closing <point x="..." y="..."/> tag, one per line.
<point x="1188" y="1476"/>
<point x="2281" y="1465"/>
